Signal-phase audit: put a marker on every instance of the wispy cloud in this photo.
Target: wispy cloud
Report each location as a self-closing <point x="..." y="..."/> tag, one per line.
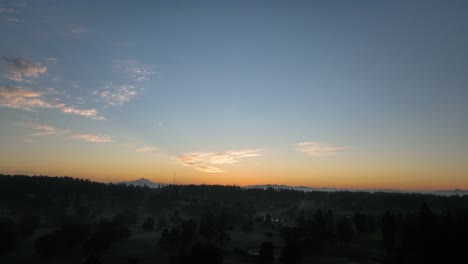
<point x="23" y="4"/>
<point x="146" y="149"/>
<point x="206" y="168"/>
<point x="22" y="98"/>
<point x="92" y="138"/>
<point x="7" y="10"/>
<point x="46" y="130"/>
<point x="79" y="31"/>
<point x="43" y="130"/>
<point x="51" y="60"/>
<point x="210" y="161"/>
<point x="141" y="148"/>
<point x="14" y="19"/>
<point x="90" y="113"/>
<point x="317" y="149"/>
<point x="20" y="69"/>
<point x="134" y="70"/>
<point x="113" y="95"/>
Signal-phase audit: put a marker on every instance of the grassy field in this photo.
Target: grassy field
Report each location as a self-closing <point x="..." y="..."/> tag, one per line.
<point x="143" y="245"/>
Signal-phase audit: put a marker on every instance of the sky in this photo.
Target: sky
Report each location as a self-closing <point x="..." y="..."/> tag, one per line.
<point x="344" y="94"/>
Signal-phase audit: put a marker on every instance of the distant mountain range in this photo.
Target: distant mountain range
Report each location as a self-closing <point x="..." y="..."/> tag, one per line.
<point x="286" y="187"/>
<point x="452" y="192"/>
<point x="310" y="189"/>
<point x="145" y="182"/>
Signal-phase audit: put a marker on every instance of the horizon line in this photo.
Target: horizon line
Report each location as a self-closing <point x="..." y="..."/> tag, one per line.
<point x="376" y="189"/>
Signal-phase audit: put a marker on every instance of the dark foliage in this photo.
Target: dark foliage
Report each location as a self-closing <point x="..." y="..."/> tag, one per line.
<point x="50" y="245"/>
<point x="344" y="230"/>
<point x="292" y="252"/>
<point x="92" y="260"/>
<point x="266" y="253"/>
<point x="389" y="232"/>
<point x="126" y="217"/>
<point x="429" y="237"/>
<point x="8" y="234"/>
<point x="414" y="228"/>
<point x="74" y="232"/>
<point x="205" y="254"/>
<point x="105" y="233"/>
<point x="148" y="224"/>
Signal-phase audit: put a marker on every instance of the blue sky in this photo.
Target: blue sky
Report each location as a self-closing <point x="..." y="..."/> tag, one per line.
<point x="374" y="91"/>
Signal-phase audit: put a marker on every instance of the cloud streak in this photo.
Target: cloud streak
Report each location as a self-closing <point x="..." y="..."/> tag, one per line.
<point x="25" y="99"/>
<point x="134" y="70"/>
<point x="112" y="95"/>
<point x="146" y="149"/>
<point x="46" y="130"/>
<point x="14" y="19"/>
<point x="142" y="148"/>
<point x="79" y="31"/>
<point x="92" y="138"/>
<point x="7" y="10"/>
<point x="90" y="113"/>
<point x="22" y="70"/>
<point x="43" y="130"/>
<point x="210" y="161"/>
<point x="318" y="149"/>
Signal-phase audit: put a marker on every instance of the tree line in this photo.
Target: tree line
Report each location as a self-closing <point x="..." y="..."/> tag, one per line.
<point x="194" y="222"/>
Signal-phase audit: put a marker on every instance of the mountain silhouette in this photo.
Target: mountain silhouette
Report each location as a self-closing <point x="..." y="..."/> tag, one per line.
<point x="143" y="182"/>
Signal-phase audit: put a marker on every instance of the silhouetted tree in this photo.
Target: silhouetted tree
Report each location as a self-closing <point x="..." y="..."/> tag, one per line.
<point x="301" y="219"/>
<point x="165" y="238"/>
<point x="360" y="223"/>
<point x="344" y="230"/>
<point x="126" y="217"/>
<point x="266" y="253"/>
<point x="208" y="226"/>
<point x="292" y="253"/>
<point x="162" y="222"/>
<point x="389" y="232"/>
<point x="105" y="233"/>
<point x="8" y="235"/>
<point x="92" y="260"/>
<point x="28" y="223"/>
<point x="322" y="231"/>
<point x="148" y="224"/>
<point x="50" y="245"/>
<point x="74" y="232"/>
<point x="248" y="224"/>
<point x="371" y="223"/>
<point x="133" y="260"/>
<point x="267" y="220"/>
<point x="205" y="253"/>
<point x="222" y="236"/>
<point x="187" y="236"/>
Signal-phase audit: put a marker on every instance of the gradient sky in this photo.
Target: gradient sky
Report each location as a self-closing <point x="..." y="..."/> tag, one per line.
<point x="347" y="94"/>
